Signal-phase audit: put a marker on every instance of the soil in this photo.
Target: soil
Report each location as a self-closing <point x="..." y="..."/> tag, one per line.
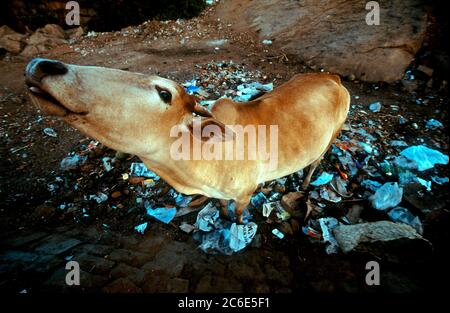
<point x="33" y="224"/>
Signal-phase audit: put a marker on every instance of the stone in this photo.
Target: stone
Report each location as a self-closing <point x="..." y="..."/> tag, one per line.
<point x="425" y="69"/>
<point x="334" y="35"/>
<point x="121" y="285"/>
<point x="75" y="33"/>
<point x="10" y="40"/>
<point x="129" y="257"/>
<point x="93" y="264"/>
<point x="381" y="237"/>
<point x="56" y="244"/>
<point x="178" y="285"/>
<point x="21" y="240"/>
<point x="44" y="39"/>
<point x="44" y="211"/>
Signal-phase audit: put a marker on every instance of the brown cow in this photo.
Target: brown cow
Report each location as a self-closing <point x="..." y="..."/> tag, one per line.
<point x="137" y="113"/>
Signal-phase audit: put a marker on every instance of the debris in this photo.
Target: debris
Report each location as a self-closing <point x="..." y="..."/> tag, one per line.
<point x="141" y="228"/>
<point x="164" y="215"/>
<point x="311" y="232"/>
<point x="187" y="228"/>
<point x="291" y="201"/>
<point x="258" y="199"/>
<point x="107" y="163"/>
<point x="50" y="132"/>
<point x="387" y="196"/>
<point x="72" y="162"/>
<point x="139" y="169"/>
<point x="398" y="143"/>
<point x="327" y="224"/>
<point x="329" y="195"/>
<point x="350" y="237"/>
<point x="439" y="180"/>
<point x="433" y="124"/>
<point x="424" y="157"/>
<point x="403" y="215"/>
<point x="375" y="107"/>
<point x="241" y="235"/>
<point x="277" y="233"/>
<point x="267" y="42"/>
<point x="99" y="197"/>
<point x="323" y="179"/>
<point x="267" y="208"/>
<point x="207" y="217"/>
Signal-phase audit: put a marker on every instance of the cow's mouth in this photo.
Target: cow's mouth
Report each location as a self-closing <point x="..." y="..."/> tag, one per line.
<point x="50" y="104"/>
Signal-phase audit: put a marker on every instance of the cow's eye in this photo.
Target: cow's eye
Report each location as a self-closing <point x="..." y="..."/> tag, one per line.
<point x="165" y="96"/>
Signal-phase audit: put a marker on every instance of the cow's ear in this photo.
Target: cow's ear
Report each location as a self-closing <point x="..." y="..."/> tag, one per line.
<point x="209" y="129"/>
<point x="194" y="107"/>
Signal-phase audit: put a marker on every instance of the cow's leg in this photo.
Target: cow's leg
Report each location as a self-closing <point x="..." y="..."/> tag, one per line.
<point x="311" y="169"/>
<point x="224" y="209"/>
<point x="241" y="204"/>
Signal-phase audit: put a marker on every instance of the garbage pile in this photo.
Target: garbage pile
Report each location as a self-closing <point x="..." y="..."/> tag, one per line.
<point x="360" y="194"/>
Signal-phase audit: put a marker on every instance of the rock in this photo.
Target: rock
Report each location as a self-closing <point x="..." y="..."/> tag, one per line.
<point x="75" y="33"/>
<point x="44" y="211"/>
<point x="334" y="35"/>
<point x="43" y="39"/>
<point x="382" y="237"/>
<point x="10" y="40"/>
<point x="121" y="285"/>
<point x="425" y="69"/>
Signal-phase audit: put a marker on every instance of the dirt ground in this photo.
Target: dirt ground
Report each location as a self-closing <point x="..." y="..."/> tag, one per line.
<point x="38" y="236"/>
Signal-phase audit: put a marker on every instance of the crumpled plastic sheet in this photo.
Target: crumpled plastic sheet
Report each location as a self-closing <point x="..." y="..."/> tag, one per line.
<point x="375" y="107"/>
<point x="71" y="162"/>
<point x="433" y="124"/>
<point x="141" y="228"/>
<point x="371" y="184"/>
<point x="403" y="215"/>
<point x="425" y="158"/>
<point x="246" y="91"/>
<point x="99" y="198"/>
<point x="140" y="170"/>
<point x="163" y="214"/>
<point x="387" y="196"/>
<point x="327" y="224"/>
<point x="323" y="179"/>
<point x="218" y="235"/>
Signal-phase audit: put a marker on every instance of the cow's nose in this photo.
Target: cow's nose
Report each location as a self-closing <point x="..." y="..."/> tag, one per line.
<point x="37" y="69"/>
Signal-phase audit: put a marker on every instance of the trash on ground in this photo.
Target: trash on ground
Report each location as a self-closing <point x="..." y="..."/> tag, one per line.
<point x="323" y="179"/>
<point x="164" y="215"/>
<point x="242" y="235"/>
<point x="50" y="132"/>
<point x="424" y="157"/>
<point x="387" y="196"/>
<point x="403" y="215"/>
<point x="187" y="228"/>
<point x="327" y="224"/>
<point x="141" y="228"/>
<point x="375" y="107"/>
<point x="433" y="124"/>
<point x="267" y="42"/>
<point x="207" y="217"/>
<point x="99" y="198"/>
<point x="439" y="180"/>
<point x="139" y="169"/>
<point x="71" y="162"/>
<point x="277" y="233"/>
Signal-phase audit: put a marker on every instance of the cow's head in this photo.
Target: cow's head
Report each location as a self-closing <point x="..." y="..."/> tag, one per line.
<point x="130" y="112"/>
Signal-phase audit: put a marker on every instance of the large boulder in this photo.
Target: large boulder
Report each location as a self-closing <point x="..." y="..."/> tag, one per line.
<point x="10" y="40"/>
<point x="334" y="35"/>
